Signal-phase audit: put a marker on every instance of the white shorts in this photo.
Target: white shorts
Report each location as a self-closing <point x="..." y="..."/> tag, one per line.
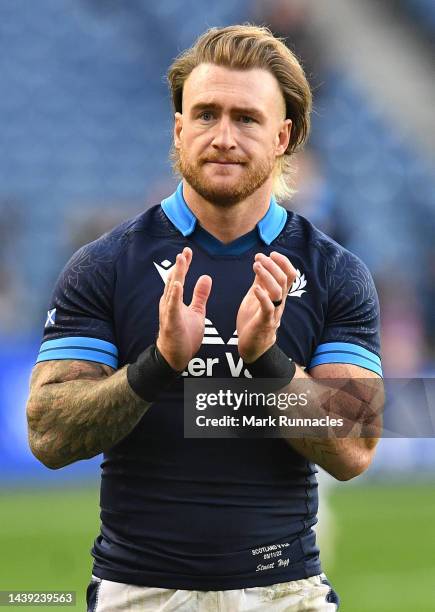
<point x="309" y="594"/>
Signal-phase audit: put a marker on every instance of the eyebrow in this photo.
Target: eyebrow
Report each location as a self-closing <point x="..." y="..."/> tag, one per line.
<point x="243" y="110"/>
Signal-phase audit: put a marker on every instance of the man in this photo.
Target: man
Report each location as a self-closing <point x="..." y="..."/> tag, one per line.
<point x="200" y="524"/>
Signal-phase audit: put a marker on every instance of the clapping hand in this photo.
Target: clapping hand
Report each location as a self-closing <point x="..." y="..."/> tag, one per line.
<point x="260" y="312"/>
<point x="181" y="327"/>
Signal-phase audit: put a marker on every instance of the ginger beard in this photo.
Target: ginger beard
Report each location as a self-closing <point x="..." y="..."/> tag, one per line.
<point x="222" y="191"/>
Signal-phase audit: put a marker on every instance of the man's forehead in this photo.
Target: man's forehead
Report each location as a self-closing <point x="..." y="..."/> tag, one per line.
<point x="213" y="84"/>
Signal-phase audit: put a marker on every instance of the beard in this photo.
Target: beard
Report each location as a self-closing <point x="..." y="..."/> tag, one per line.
<point x="225" y="196"/>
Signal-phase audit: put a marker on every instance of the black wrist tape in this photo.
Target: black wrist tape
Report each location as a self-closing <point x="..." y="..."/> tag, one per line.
<point x="274" y="363"/>
<point x="150" y="374"/>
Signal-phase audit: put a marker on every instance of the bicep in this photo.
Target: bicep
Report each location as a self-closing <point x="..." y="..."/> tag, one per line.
<point x="342" y="370"/>
<point x="359" y="382"/>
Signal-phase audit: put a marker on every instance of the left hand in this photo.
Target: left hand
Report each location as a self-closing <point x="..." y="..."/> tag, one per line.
<point x="258" y="318"/>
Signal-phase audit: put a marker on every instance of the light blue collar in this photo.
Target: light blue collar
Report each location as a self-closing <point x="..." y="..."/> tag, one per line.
<point x="178" y="212"/>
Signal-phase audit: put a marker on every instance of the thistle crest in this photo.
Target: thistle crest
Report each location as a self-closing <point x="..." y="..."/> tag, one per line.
<point x="297" y="288"/>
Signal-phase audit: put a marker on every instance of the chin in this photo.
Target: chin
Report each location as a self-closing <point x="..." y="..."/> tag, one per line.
<point x="228" y="183"/>
<point x="223" y="174"/>
<point x="224" y="196"/>
<point x="222" y="183"/>
<point x="222" y="187"/>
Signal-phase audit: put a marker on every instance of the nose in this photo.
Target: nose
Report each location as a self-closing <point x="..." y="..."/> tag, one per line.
<point x="224" y="138"/>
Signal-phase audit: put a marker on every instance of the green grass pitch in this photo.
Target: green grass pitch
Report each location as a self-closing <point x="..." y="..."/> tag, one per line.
<point x="384" y="557"/>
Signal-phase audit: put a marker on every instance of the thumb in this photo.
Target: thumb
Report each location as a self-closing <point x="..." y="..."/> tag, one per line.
<point x="200" y="294"/>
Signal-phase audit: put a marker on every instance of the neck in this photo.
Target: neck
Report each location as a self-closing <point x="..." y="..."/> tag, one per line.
<point x="228" y="224"/>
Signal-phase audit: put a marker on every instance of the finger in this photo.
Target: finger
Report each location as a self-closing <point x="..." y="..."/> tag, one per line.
<point x="167" y="286"/>
<point x="201" y="293"/>
<point x="274" y="268"/>
<point x="179" y="268"/>
<point x="187" y="252"/>
<point x="182" y="263"/>
<point x="267" y="308"/>
<point x="175" y="298"/>
<point x="267" y="281"/>
<point x="187" y="255"/>
<point x="286" y="266"/>
<point x="178" y="271"/>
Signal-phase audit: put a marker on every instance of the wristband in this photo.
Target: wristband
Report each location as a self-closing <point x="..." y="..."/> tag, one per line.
<point x="150" y="374"/>
<point x="274" y="363"/>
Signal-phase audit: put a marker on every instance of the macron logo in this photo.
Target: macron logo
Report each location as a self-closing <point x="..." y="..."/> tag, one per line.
<point x="163" y="268"/>
<point x="51" y="317"/>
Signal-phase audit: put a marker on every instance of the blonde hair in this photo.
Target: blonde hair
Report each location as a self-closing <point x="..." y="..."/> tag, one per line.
<point x="242" y="47"/>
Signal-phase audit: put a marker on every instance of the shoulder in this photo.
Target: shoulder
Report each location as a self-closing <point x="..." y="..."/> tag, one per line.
<point x="104" y="252"/>
<point x="299" y="231"/>
<point x="339" y="262"/>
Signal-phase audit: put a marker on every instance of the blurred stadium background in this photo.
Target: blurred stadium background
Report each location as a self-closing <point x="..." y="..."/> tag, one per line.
<point x="86" y="128"/>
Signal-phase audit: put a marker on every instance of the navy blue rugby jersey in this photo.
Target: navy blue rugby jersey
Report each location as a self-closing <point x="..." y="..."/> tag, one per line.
<point x="207" y="514"/>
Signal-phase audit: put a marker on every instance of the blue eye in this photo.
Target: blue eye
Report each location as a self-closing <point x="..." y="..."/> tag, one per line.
<point x="206" y="116"/>
<point x="246" y="119"/>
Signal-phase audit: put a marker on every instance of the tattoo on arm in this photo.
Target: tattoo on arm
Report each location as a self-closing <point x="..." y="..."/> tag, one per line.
<point x="355" y="398"/>
<point x="78" y="409"/>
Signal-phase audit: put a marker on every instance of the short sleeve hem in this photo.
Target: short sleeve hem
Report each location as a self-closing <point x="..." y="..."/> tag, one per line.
<point x="346" y="352"/>
<point x="81" y="348"/>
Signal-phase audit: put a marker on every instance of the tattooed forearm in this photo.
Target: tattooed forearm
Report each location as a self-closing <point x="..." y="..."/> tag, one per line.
<point x="354" y="398"/>
<point x="343" y="458"/>
<point x="78" y="409"/>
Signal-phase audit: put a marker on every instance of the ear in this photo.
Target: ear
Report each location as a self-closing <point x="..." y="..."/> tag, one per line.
<point x="283" y="137"/>
<point x="178" y="128"/>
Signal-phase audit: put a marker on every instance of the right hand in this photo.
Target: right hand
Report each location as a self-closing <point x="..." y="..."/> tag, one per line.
<point x="181" y="327"/>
